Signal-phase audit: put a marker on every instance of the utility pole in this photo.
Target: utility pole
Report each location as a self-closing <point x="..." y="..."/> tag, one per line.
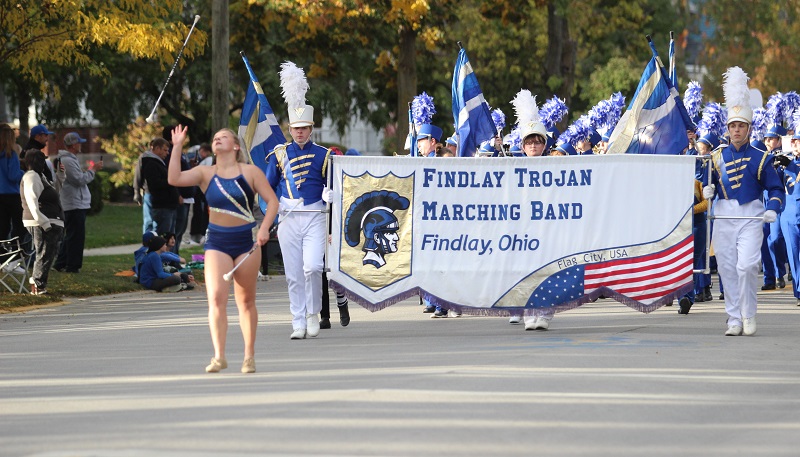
<point x="220" y="38"/>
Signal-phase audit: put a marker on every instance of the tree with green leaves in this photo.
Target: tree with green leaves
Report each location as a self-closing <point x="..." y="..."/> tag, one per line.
<point x="759" y="36"/>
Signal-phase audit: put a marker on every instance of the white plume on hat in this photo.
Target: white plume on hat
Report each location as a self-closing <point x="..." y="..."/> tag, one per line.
<point x="528" y="115"/>
<point x="737" y="95"/>
<point x="294" y="87"/>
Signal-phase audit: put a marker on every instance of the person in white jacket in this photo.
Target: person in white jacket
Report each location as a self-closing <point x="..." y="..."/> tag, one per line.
<point x="42" y="216"/>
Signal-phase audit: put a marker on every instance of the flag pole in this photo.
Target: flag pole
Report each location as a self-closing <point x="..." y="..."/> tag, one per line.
<point x="412" y="146"/>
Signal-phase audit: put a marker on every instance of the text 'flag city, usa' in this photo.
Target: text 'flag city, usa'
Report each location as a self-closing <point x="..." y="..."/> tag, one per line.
<point x="510" y="234"/>
<point x="656" y="120"/>
<point x="473" y="119"/>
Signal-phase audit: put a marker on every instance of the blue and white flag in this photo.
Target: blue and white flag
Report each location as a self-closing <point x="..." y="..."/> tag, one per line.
<point x="673" y="74"/>
<point x="656" y="120"/>
<point x="258" y="127"/>
<point x="474" y="122"/>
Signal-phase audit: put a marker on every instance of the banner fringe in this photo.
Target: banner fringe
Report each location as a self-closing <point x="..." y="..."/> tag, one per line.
<point x="472" y="311"/>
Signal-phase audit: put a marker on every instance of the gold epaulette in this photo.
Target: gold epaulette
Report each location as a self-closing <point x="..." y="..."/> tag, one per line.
<point x="280" y="154"/>
<point x="764" y="156"/>
<point x="325" y="162"/>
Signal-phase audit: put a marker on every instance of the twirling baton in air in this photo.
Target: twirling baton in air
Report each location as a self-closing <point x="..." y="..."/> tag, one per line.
<point x="152" y="116"/>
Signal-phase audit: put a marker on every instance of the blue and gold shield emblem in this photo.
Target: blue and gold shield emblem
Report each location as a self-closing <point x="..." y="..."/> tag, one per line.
<point x="377" y="228"/>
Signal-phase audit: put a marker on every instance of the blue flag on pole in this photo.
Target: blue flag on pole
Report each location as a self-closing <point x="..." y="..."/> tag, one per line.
<point x="673" y="74"/>
<point x="258" y="126"/>
<point x="656" y="120"/>
<point x="474" y="123"/>
<point x="412" y="135"/>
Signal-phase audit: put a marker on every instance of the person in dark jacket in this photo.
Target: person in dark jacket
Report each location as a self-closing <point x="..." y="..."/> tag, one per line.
<point x="163" y="197"/>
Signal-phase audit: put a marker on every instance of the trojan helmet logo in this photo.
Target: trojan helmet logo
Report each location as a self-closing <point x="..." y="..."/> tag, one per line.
<point x="377" y="228"/>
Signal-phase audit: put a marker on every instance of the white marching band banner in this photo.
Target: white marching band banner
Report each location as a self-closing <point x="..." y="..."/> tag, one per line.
<point x="498" y="235"/>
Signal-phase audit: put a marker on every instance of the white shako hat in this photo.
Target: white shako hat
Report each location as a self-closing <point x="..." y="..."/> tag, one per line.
<point x="528" y="115"/>
<point x="295" y="86"/>
<point x="737" y="96"/>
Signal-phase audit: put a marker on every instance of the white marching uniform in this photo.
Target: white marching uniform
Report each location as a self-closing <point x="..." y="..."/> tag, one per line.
<point x="302" y="239"/>
<point x="299" y="176"/>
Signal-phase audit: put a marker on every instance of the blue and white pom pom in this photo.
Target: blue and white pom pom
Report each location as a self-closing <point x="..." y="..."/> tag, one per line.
<point x="759" y="126"/>
<point x="693" y="98"/>
<point x="791" y="102"/>
<point x="499" y="120"/>
<point x="774" y="109"/>
<point x="578" y="131"/>
<point x="422" y="109"/>
<point x="713" y="120"/>
<point x="552" y="112"/>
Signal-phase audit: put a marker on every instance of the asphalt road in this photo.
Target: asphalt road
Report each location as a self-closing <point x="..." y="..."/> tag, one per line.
<point x="123" y="376"/>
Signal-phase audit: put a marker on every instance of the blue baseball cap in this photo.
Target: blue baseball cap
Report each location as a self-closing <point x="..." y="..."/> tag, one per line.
<point x="40" y="129"/>
<point x="147" y="236"/>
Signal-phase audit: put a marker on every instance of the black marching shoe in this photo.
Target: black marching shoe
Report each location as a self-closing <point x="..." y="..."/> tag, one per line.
<point x="722" y="296"/>
<point x="781" y="283"/>
<point x="324" y="323"/>
<point x="768" y="286"/>
<point x="344" y="315"/>
<point x="707" y="294"/>
<point x="699" y="298"/>
<point x="685" y="305"/>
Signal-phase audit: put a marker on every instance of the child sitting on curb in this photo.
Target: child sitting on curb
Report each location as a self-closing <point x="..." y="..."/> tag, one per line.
<point x="151" y="270"/>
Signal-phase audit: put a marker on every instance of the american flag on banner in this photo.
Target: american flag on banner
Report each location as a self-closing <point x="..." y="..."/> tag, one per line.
<point x="643" y="279"/>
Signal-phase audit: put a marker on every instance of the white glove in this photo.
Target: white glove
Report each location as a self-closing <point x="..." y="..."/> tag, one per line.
<point x="770" y="216"/>
<point x="327" y="194"/>
<point x="708" y="191"/>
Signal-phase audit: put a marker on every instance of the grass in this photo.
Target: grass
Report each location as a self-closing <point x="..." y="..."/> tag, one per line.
<point x="97" y="277"/>
<point x="116" y="225"/>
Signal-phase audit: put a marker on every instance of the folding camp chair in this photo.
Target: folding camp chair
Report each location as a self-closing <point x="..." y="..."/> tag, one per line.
<point x="14" y="272"/>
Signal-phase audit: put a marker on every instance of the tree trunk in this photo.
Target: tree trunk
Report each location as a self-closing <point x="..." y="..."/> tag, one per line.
<point x="23" y="103"/>
<point x="561" y="53"/>
<point x="220" y="58"/>
<point x="406" y="83"/>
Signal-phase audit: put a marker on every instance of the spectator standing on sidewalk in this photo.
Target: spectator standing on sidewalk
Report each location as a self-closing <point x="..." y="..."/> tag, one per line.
<point x="10" y="176"/>
<point x="163" y="196"/>
<point x="42" y="216"/>
<point x="76" y="201"/>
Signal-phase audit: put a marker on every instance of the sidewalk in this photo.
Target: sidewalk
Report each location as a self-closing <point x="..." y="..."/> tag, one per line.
<point x="112" y="250"/>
